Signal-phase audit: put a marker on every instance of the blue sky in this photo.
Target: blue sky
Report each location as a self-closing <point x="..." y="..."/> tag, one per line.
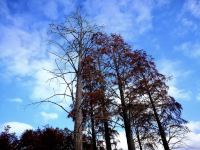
<point x="168" y="30"/>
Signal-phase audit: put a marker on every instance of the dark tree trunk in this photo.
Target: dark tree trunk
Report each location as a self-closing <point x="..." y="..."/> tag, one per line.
<point x="94" y="146"/>
<point x="161" y="130"/>
<point x="127" y="125"/>
<point x="138" y="138"/>
<point x="107" y="135"/>
<point x="105" y="123"/>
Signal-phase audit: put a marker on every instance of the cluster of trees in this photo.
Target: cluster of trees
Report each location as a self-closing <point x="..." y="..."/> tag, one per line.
<point x="112" y="87"/>
<point x="42" y="139"/>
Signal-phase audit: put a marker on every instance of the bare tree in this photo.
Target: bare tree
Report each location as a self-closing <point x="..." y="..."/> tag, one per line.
<point x="73" y="39"/>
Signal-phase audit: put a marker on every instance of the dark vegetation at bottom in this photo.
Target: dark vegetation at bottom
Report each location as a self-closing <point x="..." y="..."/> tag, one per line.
<point x="47" y="138"/>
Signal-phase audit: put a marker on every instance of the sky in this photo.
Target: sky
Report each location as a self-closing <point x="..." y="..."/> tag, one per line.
<point x="169" y="30"/>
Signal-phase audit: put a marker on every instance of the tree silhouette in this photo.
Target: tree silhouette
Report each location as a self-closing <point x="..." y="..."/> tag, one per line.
<point x="151" y="86"/>
<point x="8" y="141"/>
<point x="113" y="48"/>
<point x="47" y="139"/>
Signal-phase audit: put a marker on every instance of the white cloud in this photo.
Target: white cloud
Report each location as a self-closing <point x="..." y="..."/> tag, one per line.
<point x="122" y="140"/>
<point x="17" y="100"/>
<point x="193" y="7"/>
<point x="192" y="139"/>
<point x="178" y="93"/>
<point x="173" y="69"/>
<point x="193" y="142"/>
<point x="16" y="127"/>
<point x="48" y="116"/>
<point x="27" y="56"/>
<point x="198" y="96"/>
<point x="189" y="23"/>
<point x="127" y="17"/>
<point x="190" y="49"/>
<point x="41" y="88"/>
<point x="19" y="56"/>
<point x="194" y="126"/>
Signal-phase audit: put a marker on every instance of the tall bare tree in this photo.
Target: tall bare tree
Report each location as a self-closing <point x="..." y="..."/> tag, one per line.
<point x="73" y="38"/>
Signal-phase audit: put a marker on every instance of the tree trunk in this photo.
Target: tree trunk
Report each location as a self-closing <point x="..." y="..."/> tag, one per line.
<point x="138" y="138"/>
<point x="161" y="130"/>
<point x="105" y="123"/>
<point x="129" y="136"/>
<point x="128" y="130"/>
<point x="107" y="133"/>
<point x="94" y="146"/>
<point x="78" y="111"/>
<point x="127" y="125"/>
<point x="107" y="136"/>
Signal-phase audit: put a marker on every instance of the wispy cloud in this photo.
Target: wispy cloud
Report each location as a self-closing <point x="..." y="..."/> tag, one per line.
<point x="198" y="96"/>
<point x="189" y="49"/>
<point x="193" y="7"/>
<point x="187" y="19"/>
<point x="16" y="100"/>
<point x="194" y="126"/>
<point x="53" y="9"/>
<point x="127" y="17"/>
<point x="173" y="69"/>
<point x="49" y="116"/>
<point x="178" y="93"/>
<point x="23" y="52"/>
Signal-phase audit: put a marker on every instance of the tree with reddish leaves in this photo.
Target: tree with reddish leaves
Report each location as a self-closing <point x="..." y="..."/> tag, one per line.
<point x="112" y="81"/>
<point x="152" y="88"/>
<point x="97" y="106"/>
<point x="91" y="95"/>
<point x="113" y="48"/>
<point x="143" y="126"/>
<point x="134" y="80"/>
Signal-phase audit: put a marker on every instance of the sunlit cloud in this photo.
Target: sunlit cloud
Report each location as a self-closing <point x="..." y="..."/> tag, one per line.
<point x="16" y="127"/>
